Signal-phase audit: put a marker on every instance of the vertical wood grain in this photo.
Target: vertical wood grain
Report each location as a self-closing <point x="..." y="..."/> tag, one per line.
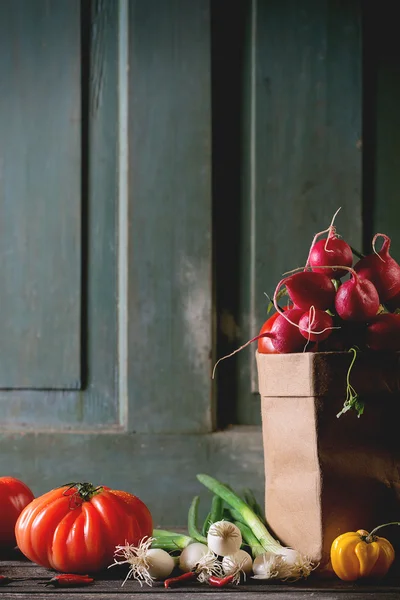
<point x="123" y="208"/>
<point x="306" y="110"/>
<point x="96" y="406"/>
<point x="102" y="211"/>
<point x="383" y="68"/>
<point x="170" y="216"/>
<point x="40" y="194"/>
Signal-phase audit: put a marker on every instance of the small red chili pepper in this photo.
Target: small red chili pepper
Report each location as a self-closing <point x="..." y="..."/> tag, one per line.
<point x="181" y="578"/>
<point x="220" y="581"/>
<point x="70" y="580"/>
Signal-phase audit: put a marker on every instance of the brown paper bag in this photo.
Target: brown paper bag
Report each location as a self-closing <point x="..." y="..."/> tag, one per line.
<point x="327" y="475"/>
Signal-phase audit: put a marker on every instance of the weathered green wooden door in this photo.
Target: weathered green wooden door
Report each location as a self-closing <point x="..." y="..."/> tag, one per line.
<point x="106" y="250"/>
<point x="162" y="162"/>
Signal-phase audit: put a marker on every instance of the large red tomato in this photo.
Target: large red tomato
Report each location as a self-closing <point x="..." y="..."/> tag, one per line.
<point x="14" y="496"/>
<point x="76" y="527"/>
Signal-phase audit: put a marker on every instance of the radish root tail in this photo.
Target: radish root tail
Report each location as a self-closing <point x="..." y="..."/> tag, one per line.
<point x="386" y="242"/>
<point x="330" y="231"/>
<point x="254" y="339"/>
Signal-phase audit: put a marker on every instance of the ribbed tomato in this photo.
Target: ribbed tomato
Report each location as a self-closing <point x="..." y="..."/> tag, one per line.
<point x="76" y="527"/>
<point x="14" y="496"/>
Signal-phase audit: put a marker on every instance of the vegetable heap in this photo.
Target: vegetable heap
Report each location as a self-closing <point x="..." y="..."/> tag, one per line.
<point x="79" y="528"/>
<point x="331" y="314"/>
<point x="234" y="542"/>
<point x="335" y="305"/>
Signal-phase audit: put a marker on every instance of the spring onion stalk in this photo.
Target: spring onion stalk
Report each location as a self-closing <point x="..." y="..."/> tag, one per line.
<point x="234" y="515"/>
<point x="174" y="543"/>
<point x="250" y="539"/>
<point x="206" y="524"/>
<point x="215" y="514"/>
<point x="165" y="533"/>
<point x="248" y="516"/>
<point x="286" y="563"/>
<point x="192" y="522"/>
<point x="217" y="507"/>
<point x="250" y="499"/>
<point x="227" y="515"/>
<point x="170" y="540"/>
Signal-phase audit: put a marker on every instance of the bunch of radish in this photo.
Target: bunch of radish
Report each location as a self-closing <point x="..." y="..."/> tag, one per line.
<point x="333" y="304"/>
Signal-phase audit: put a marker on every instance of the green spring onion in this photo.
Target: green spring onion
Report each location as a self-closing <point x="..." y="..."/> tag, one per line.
<point x="248" y="516"/>
<point x="192" y="522"/>
<point x="169" y="540"/>
<point x="273" y="559"/>
<point x="250" y="539"/>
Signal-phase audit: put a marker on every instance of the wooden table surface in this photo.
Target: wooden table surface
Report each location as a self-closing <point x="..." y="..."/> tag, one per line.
<point x="108" y="585"/>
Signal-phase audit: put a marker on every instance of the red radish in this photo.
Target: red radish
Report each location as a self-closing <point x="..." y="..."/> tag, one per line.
<point x="357" y="299"/>
<point x="308" y="289"/>
<point x="316" y="325"/>
<point x="383" y="332"/>
<point x="265" y="345"/>
<point x="331" y="251"/>
<point x="350" y="334"/>
<point x="393" y="303"/>
<point x="285" y="334"/>
<point x="381" y="269"/>
<point x="334" y="343"/>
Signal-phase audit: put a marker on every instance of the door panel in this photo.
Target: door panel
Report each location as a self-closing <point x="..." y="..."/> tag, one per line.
<point x="93" y="250"/>
<point x="144" y="202"/>
<point x="40" y="194"/>
<point x="170" y="287"/>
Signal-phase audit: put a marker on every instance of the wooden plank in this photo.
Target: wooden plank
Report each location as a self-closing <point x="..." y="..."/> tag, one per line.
<point x="160" y="469"/>
<point x="97" y="406"/>
<point x="170" y="294"/>
<point x="101" y="218"/>
<point x="232" y="593"/>
<point x="383" y="67"/>
<point x="40" y="192"/>
<point x="303" y="160"/>
<point x="109" y="581"/>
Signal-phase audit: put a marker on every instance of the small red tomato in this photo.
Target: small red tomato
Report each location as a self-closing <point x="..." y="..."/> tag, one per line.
<point x="75" y="528"/>
<point x="265" y="345"/>
<point x="14" y="496"/>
